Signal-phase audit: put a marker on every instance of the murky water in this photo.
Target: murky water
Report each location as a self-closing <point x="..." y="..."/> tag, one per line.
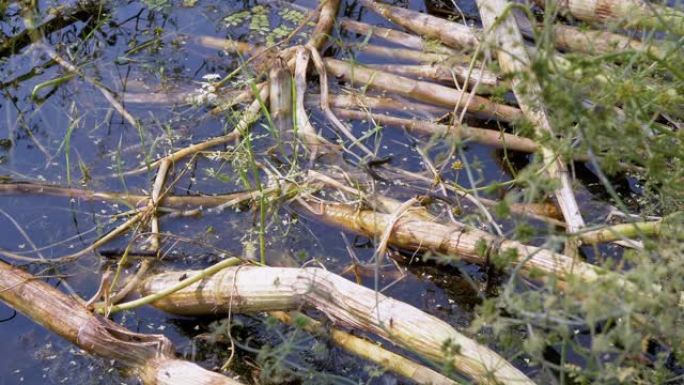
<point x="139" y="50"/>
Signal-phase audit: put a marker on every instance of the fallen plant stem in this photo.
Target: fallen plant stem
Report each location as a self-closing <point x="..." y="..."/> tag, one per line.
<point x="620" y="231"/>
<point x="154" y="202"/>
<point x="394" y="36"/>
<point x="443" y="73"/>
<point x="150" y="357"/>
<point x="513" y="58"/>
<point x="368" y="350"/>
<point x="450" y="33"/>
<point x="325" y="103"/>
<point x="133" y="200"/>
<point x="326" y="21"/>
<point x="481" y="135"/>
<point x="627" y="13"/>
<point x="423" y="91"/>
<point x="159" y="296"/>
<point x="267" y="289"/>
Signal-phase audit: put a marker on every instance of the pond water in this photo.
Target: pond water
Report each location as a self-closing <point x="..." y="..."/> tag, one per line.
<point x="66" y="133"/>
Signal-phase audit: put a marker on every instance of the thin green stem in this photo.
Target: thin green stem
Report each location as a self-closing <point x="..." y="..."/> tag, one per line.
<point x="208" y="272"/>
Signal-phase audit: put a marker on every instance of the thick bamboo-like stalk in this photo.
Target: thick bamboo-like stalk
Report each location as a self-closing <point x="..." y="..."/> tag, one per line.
<point x="180" y="285"/>
<point x="418" y="231"/>
<point x="629" y="13"/>
<point x="402" y="53"/>
<point x="149" y="356"/>
<point x="571" y="38"/>
<point x="369" y="350"/>
<point x="420" y="235"/>
<point x="305" y="130"/>
<point x="565" y="37"/>
<point x="280" y="102"/>
<point x="254" y="289"/>
<point x="393" y="36"/>
<point x="480" y="135"/>
<point x="513" y="59"/>
<point x="442" y="73"/>
<point x="228" y="45"/>
<point x="620" y="232"/>
<point x="546" y="212"/>
<point x="450" y="33"/>
<point x="423" y="91"/>
<point x="157" y="98"/>
<point x="381" y="103"/>
<point x="326" y="20"/>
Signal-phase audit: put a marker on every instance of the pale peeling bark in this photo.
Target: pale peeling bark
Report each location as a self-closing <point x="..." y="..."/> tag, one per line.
<point x="393" y="36"/>
<point x="418" y="231"/>
<point x="450" y="33"/>
<point x="630" y="13"/>
<point x="476" y="134"/>
<point x="448" y="74"/>
<point x="326" y="20"/>
<point x="149" y="356"/>
<point x="506" y="40"/>
<point x="254" y="289"/>
<point x="570" y="38"/>
<point x="471" y="245"/>
<point x="363" y="101"/>
<point x="368" y="350"/>
<point x="420" y="90"/>
<point x="280" y="97"/>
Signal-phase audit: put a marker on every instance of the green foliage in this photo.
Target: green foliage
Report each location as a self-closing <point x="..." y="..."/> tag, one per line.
<point x="600" y="332"/>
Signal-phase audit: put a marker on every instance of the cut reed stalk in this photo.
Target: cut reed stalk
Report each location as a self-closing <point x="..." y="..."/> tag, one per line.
<point x="481" y="135"/>
<point x="400" y="54"/>
<point x="280" y="97"/>
<point x="304" y="129"/>
<point x="228" y="45"/>
<point x="513" y="58"/>
<point x="254" y="289"/>
<point x="450" y="33"/>
<point x="571" y="38"/>
<point x="396" y="37"/>
<point x="357" y="100"/>
<point x="423" y="91"/>
<point x="149" y="356"/>
<point x="449" y="74"/>
<point x="326" y="21"/>
<point x="368" y="350"/>
<point x="622" y="231"/>
<point x="469" y="244"/>
<point x="154" y="202"/>
<point x="179" y="285"/>
<point x="627" y="13"/>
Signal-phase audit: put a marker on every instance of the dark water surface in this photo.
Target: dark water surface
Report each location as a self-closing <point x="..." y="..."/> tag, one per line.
<point x="101" y="142"/>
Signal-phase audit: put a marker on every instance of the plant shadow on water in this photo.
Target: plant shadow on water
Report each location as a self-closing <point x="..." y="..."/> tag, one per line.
<point x="60" y="129"/>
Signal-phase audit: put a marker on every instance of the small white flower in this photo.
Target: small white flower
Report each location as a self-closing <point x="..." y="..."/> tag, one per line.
<point x="211" y="77"/>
